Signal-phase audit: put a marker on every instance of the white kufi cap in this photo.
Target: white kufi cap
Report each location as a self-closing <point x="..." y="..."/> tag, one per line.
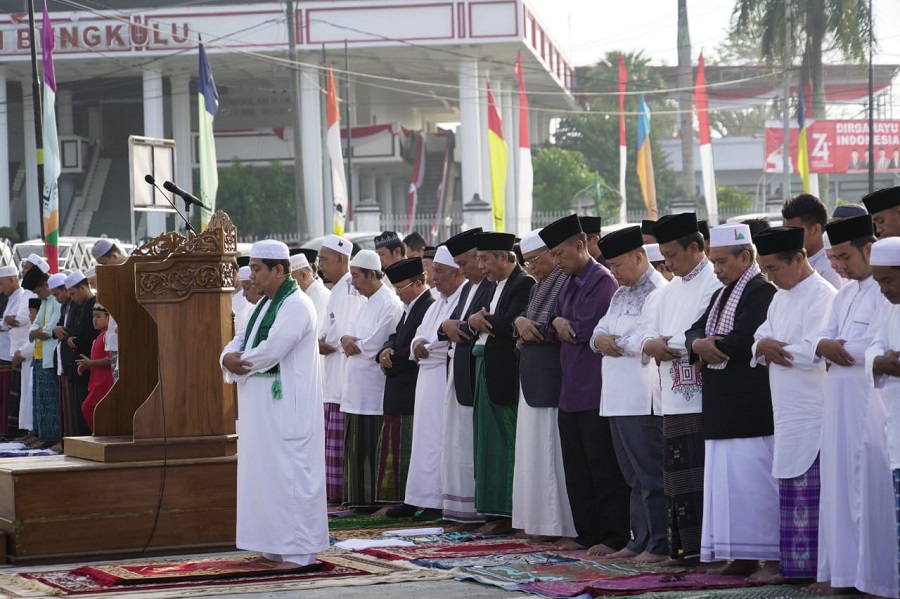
<point x="367" y="259"/>
<point x="75" y="278"/>
<point x="299" y="261"/>
<point x="442" y="256"/>
<point x="653" y="253"/>
<point x="39" y="262"/>
<point x="338" y="244"/>
<point x="729" y="235"/>
<point x="9" y="271"/>
<point x="886" y="252"/>
<point x="270" y="249"/>
<point x="531" y="241"/>
<point x="244" y="273"/>
<point x="56" y="280"/>
<point x="101" y="247"/>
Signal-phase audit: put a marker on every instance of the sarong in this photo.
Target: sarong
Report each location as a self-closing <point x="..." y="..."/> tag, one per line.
<point x="683" y="483"/>
<point x="394" y="449"/>
<point x="799" y="501"/>
<point x="334" y="451"/>
<point x="495" y="448"/>
<point x="15" y="394"/>
<point x="5" y="381"/>
<point x="46" y="412"/>
<point x="457" y="459"/>
<point x="361" y="435"/>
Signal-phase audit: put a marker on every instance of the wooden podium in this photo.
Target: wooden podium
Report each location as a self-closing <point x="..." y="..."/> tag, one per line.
<point x="160" y="473"/>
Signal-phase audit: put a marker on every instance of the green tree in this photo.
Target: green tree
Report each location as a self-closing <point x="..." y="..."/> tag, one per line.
<point x="732" y="199"/>
<point x="259" y="199"/>
<point x="558" y="175"/>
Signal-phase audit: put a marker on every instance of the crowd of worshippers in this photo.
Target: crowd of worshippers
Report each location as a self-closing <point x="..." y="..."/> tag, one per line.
<point x="668" y="393"/>
<point x="57" y="350"/>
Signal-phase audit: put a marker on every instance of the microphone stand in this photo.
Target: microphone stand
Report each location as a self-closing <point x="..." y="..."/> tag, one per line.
<point x="149" y="179"/>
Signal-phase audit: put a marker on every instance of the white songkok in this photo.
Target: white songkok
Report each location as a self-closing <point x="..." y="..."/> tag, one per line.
<point x="39" y="262"/>
<point x="101" y="247"/>
<point x="244" y="273"/>
<point x="367" y="259"/>
<point x="270" y="249"/>
<point x="9" y="271"/>
<point x="74" y="279"/>
<point x="729" y="235"/>
<point x="299" y="261"/>
<point x="531" y="241"/>
<point x="826" y="242"/>
<point x="653" y="253"/>
<point x="442" y="256"/>
<point x="338" y="244"/>
<point x="886" y="252"/>
<point x="56" y="280"/>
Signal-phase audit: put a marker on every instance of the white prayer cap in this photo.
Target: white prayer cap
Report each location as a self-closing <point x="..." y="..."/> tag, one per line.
<point x="886" y="252"/>
<point x="826" y="242"/>
<point x="74" y="279"/>
<point x="338" y="244"/>
<point x="56" y="280"/>
<point x="442" y="256"/>
<point x="90" y="273"/>
<point x="367" y="259"/>
<point x="101" y="247"/>
<point x="270" y="249"/>
<point x="729" y="235"/>
<point x="531" y="241"/>
<point x="653" y="253"/>
<point x="9" y="271"/>
<point x="39" y="262"/>
<point x="244" y="273"/>
<point x="299" y="261"/>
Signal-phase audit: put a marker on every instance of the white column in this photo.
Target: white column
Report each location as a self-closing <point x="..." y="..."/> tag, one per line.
<point x="317" y="204"/>
<point x="181" y="133"/>
<point x="506" y="113"/>
<point x="32" y="194"/>
<point x="469" y="134"/>
<point x="154" y="127"/>
<point x="385" y="194"/>
<point x="5" y="201"/>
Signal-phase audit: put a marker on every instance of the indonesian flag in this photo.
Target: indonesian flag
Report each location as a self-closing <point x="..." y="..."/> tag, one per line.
<point x="525" y="187"/>
<point x="623" y="144"/>
<point x="497" y="147"/>
<point x="706" y="154"/>
<point x="50" y="193"/>
<point x="336" y="158"/>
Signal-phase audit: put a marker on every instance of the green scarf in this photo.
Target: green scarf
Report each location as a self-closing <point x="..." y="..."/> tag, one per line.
<point x="284" y="291"/>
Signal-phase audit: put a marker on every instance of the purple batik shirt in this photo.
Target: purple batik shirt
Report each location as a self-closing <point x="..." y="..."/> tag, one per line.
<point x="583" y="301"/>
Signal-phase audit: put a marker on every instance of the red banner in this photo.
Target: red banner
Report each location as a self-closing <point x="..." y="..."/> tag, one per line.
<point x="836" y="146"/>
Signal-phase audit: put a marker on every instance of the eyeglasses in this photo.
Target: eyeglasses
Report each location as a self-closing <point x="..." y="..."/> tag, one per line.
<point x="533" y="261"/>
<point x="400" y="290"/>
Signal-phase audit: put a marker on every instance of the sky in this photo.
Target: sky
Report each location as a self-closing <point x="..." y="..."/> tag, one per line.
<point x="586" y="29"/>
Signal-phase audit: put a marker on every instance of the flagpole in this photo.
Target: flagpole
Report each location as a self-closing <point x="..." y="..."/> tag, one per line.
<point x="38" y="114"/>
<point x="299" y="203"/>
<point x="349" y="206"/>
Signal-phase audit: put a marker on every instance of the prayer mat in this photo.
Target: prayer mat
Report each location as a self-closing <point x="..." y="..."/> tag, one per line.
<point x="355" y="522"/>
<point x="442" y="551"/>
<point x="636" y="585"/>
<point x="490" y="561"/>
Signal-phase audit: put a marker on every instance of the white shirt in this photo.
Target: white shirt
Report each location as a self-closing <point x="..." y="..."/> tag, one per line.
<point x="11" y="337"/>
<point x="363" y="391"/>
<point x="437" y="313"/>
<point x="822" y="264"/>
<point x="111" y="341"/>
<point x="630" y="384"/>
<point x="852" y="315"/>
<point x="320" y="295"/>
<point x="679" y="305"/>
<point x="887" y="339"/>
<point x="343" y="306"/>
<point x="796" y="316"/>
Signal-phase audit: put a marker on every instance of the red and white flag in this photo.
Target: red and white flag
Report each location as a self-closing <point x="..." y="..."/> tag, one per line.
<point x="336" y="158"/>
<point x="415" y="183"/>
<point x="525" y="187"/>
<point x="706" y="154"/>
<point x="623" y="144"/>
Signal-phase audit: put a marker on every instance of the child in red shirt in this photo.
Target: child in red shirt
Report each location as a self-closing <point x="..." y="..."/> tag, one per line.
<point x="100" y="366"/>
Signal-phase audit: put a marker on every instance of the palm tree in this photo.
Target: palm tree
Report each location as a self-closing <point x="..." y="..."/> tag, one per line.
<point x="686" y="103"/>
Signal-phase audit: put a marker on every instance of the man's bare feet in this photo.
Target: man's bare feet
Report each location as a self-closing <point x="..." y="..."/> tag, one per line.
<point x="261" y="559"/>
<point x="623" y="553"/>
<point x="680" y="562"/>
<point x="601" y="549"/>
<point x="569" y="544"/>
<point x="381" y="512"/>
<point x="738" y="567"/>
<point x="768" y="574"/>
<point x="825" y="588"/>
<point x="650" y="558"/>
<point x="497" y="527"/>
<point x="521" y="535"/>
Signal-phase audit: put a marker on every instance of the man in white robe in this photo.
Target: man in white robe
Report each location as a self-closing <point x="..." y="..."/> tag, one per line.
<point x="809" y="213"/>
<point x="883" y="356"/>
<point x="631" y="396"/>
<point x="857" y="525"/>
<point x="304" y="273"/>
<point x="244" y="299"/>
<point x="281" y="505"/>
<point x="423" y="484"/>
<point x="363" y="394"/>
<point x="785" y="343"/>
<point x="343" y="305"/>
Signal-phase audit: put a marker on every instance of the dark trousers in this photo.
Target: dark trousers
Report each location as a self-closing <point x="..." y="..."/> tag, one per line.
<point x="597" y="492"/>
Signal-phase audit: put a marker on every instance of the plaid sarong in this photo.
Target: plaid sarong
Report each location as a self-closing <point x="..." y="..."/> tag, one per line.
<point x="799" y="501"/>
<point x="334" y="451"/>
<point x="394" y="450"/>
<point x="361" y="435"/>
<point x="683" y="482"/>
<point x="15" y="397"/>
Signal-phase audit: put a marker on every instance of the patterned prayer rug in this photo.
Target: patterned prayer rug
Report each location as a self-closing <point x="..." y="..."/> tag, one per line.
<point x="635" y="585"/>
<point x="442" y="551"/>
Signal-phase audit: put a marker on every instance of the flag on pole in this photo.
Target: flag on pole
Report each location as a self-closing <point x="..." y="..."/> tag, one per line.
<point x="645" y="159"/>
<point x="497" y="147"/>
<point x="50" y="193"/>
<point x="623" y="144"/>
<point x="802" y="150"/>
<point x="207" y="107"/>
<point x="525" y="188"/>
<point x="706" y="154"/>
<point x="418" y="177"/>
<point x="336" y="158"/>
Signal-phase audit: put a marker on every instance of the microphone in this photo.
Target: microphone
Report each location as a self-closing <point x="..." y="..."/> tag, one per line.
<point x="149" y="179"/>
<point x="187" y="197"/>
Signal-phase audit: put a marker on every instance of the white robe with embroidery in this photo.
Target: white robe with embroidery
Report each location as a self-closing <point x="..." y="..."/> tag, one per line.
<point x="281" y="505"/>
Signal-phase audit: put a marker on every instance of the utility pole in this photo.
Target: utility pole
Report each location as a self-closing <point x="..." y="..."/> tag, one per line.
<point x="686" y="105"/>
<point x="871" y="107"/>
<point x="302" y="225"/>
